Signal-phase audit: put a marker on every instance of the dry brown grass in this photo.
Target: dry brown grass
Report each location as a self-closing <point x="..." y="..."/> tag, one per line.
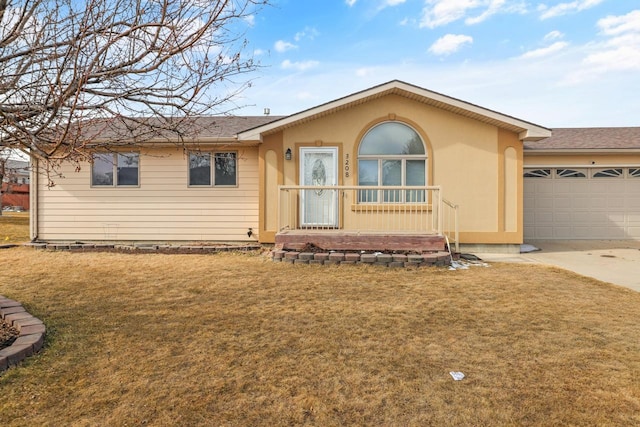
<point x="14" y="227"/>
<point x="235" y="339"/>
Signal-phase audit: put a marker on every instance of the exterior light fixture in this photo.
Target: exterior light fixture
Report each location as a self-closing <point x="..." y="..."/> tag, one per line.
<point x="287" y="154"/>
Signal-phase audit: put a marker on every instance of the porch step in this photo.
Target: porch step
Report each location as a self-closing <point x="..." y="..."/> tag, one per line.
<point x="346" y="241"/>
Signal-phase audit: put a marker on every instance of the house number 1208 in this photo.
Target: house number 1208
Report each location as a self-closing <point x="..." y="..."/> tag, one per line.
<point x="347" y="166"/>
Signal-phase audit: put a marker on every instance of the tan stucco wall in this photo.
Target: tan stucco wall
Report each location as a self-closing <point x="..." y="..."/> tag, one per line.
<point x="162" y="208"/>
<point x="466" y="158"/>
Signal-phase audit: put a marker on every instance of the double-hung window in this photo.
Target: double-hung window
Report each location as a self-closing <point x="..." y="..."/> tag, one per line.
<point x="213" y="169"/>
<point x="115" y="170"/>
<point x="392" y="154"/>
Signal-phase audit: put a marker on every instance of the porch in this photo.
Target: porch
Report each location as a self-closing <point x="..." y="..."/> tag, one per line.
<point x="366" y="218"/>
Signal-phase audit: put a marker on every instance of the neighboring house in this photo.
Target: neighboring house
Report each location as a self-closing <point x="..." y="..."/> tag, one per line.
<point x="15" y="185"/>
<point x="395" y="163"/>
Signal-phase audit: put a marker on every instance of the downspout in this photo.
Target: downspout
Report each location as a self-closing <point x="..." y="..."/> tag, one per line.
<point x="33" y="199"/>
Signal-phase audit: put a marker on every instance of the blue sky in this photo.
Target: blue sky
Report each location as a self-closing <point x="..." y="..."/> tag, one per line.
<point x="557" y="63"/>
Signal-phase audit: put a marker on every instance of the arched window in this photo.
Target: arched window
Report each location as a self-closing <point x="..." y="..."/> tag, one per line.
<point x="392" y="154"/>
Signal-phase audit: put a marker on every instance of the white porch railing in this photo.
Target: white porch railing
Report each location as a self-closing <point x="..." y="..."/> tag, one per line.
<point x="398" y="209"/>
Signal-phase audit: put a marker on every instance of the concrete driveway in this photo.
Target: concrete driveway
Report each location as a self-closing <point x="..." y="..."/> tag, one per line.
<point x="616" y="262"/>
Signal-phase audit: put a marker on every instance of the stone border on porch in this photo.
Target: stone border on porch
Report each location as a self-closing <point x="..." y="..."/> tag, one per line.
<point x="433" y="259"/>
<point x="31" y="333"/>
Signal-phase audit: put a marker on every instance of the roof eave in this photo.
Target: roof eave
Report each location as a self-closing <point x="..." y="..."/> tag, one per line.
<point x="534" y="134"/>
<point x="527" y="131"/>
<point x="569" y="151"/>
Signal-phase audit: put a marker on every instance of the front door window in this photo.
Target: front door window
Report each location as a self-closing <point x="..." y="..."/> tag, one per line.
<point x="318" y="168"/>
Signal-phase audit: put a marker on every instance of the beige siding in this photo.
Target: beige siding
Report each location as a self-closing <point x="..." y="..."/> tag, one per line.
<point x="162" y="208"/>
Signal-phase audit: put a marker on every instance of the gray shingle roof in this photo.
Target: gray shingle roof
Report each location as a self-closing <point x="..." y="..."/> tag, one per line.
<point x="191" y="128"/>
<point x="610" y="138"/>
<point x="229" y="126"/>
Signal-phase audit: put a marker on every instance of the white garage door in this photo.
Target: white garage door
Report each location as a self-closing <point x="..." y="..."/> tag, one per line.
<point x="582" y="203"/>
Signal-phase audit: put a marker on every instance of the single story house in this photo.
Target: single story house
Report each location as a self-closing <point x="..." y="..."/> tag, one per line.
<point x="14" y="191"/>
<point x="395" y="163"/>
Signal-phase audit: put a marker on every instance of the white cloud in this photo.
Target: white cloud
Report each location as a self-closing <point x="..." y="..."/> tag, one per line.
<point x="393" y="2"/>
<point x="350" y="2"/>
<point x="566" y="8"/>
<point x="620" y="52"/>
<point x="437" y="13"/>
<point x="308" y="32"/>
<point x="449" y="44"/>
<point x="614" y="25"/>
<point x="621" y="58"/>
<point x="441" y="12"/>
<point x="365" y="72"/>
<point x="303" y="96"/>
<point x="299" y="66"/>
<point x="250" y="19"/>
<point x="495" y="7"/>
<point x="603" y="101"/>
<point x="553" y="35"/>
<point x="259" y="52"/>
<point x="545" y="51"/>
<point x="283" y="46"/>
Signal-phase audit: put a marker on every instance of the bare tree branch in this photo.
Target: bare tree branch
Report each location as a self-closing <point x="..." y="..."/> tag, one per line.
<point x="68" y="66"/>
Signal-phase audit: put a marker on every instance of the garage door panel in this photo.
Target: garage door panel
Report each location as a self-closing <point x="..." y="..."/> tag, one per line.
<point x="543" y="217"/>
<point x="582" y="208"/>
<point x="597" y="202"/>
<point x="616" y="202"/>
<point x="562" y="203"/>
<point x="585" y="217"/>
<point x="606" y="186"/>
<point x="578" y="185"/>
<point x="561" y="232"/>
<point x="580" y="202"/>
<point x="632" y="202"/>
<point x="544" y="203"/>
<point x="632" y="186"/>
<point x="544" y="232"/>
<point x="562" y="217"/>
<point x="634" y="219"/>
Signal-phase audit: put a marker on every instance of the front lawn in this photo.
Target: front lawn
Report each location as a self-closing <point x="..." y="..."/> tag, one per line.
<point x="236" y="339"/>
<point x="14" y="227"/>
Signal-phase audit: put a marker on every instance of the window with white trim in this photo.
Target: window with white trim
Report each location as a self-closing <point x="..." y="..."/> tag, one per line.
<point x="115" y="170"/>
<point x="392" y="154"/>
<point x="537" y="173"/>
<point x="571" y="173"/>
<point x="217" y="169"/>
<point x="634" y="172"/>
<point x="607" y="173"/>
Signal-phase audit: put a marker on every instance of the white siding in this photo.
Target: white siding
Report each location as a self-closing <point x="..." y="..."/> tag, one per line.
<point x="162" y="208"/>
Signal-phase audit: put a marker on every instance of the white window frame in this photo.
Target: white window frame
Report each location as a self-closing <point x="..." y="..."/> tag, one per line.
<point x="607" y="173"/>
<point x="212" y="169"/>
<point x="380" y="158"/>
<point x="114" y="165"/>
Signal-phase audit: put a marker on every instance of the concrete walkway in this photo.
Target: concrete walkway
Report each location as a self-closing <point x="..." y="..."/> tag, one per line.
<point x="616" y="262"/>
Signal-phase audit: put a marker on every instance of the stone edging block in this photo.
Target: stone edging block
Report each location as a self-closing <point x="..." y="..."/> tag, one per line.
<point x="143" y="247"/>
<point x="31" y="333"/>
<point x="381" y="259"/>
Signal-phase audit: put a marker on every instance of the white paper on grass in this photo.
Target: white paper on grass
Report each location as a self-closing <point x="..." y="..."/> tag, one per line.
<point x="456" y="375"/>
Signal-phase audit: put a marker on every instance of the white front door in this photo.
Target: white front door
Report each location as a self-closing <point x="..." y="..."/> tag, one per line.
<point x="319" y="167"/>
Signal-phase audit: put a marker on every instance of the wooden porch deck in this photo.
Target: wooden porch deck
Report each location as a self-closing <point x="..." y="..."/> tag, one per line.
<point x="340" y="240"/>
